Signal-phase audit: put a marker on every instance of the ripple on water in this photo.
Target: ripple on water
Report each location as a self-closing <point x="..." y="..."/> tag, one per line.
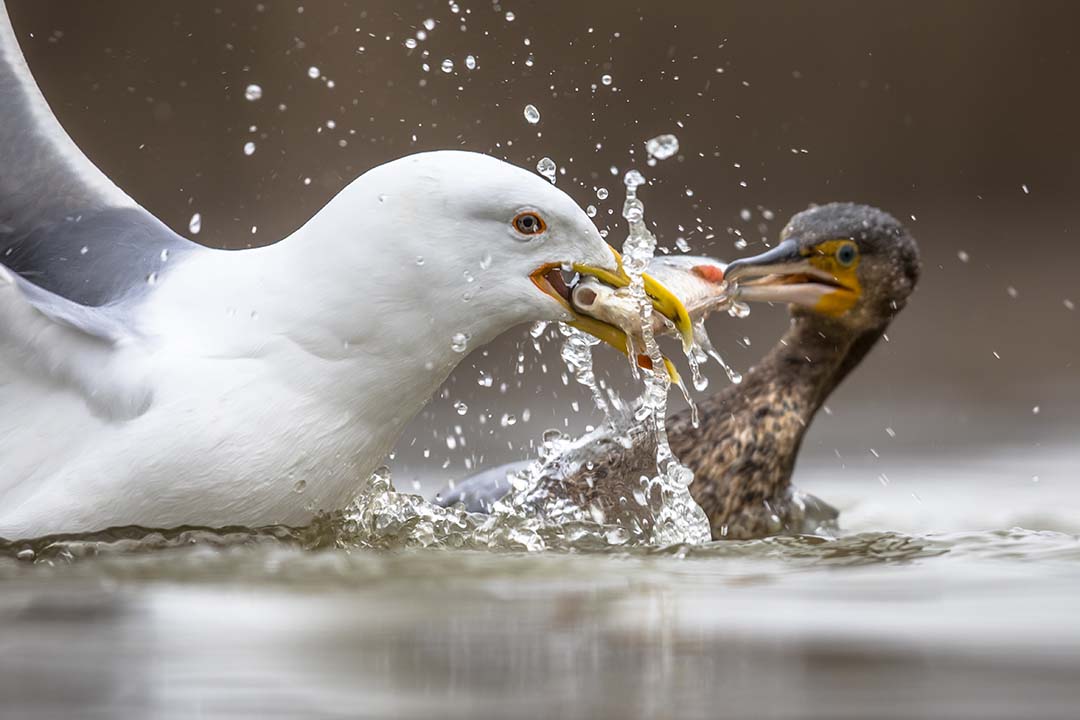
<point x="336" y="551"/>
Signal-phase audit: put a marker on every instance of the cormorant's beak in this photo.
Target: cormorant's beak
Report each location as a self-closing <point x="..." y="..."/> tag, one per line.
<point x="785" y="274"/>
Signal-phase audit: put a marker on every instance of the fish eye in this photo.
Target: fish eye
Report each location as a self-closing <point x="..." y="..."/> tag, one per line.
<point x="846" y="254"/>
<point x="529" y="223"/>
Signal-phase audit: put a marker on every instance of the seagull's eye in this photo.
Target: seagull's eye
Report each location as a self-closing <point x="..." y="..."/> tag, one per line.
<point x="529" y="223"/>
<point x="846" y="254"/>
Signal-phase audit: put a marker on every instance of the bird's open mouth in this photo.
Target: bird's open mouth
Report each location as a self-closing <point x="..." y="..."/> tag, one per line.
<point x="783" y="275"/>
<point x="555" y="280"/>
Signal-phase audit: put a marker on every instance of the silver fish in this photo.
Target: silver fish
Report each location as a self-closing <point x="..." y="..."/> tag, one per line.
<point x="697" y="281"/>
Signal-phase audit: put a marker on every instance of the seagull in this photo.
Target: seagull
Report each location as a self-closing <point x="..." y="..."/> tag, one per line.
<point x="147" y="380"/>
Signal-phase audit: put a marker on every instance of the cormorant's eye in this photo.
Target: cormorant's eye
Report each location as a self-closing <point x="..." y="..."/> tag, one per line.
<point x="529" y="223"/>
<point x="846" y="254"/>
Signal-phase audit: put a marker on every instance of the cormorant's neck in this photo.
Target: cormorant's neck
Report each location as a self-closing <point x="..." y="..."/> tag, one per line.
<point x="744" y="449"/>
<point x="810" y="360"/>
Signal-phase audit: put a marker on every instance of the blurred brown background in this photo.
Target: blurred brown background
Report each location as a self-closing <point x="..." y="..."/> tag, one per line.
<point x="960" y="118"/>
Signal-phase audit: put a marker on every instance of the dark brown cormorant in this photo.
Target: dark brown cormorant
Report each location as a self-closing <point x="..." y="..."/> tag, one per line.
<point x="846" y="270"/>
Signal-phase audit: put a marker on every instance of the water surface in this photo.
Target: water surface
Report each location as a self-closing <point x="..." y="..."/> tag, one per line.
<point x="931" y="604"/>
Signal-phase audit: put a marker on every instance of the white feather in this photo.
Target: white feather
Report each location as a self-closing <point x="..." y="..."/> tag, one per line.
<point x="248" y="374"/>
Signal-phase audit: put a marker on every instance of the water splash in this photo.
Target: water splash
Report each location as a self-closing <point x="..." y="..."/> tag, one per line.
<point x="679" y="518"/>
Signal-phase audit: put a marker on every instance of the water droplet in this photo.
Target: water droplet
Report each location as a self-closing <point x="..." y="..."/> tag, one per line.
<point x="546" y="167"/>
<point x="740" y="244"/>
<point x="485" y="380"/>
<point x="745" y="215"/>
<point x="538" y="328"/>
<point x="605" y="79"/>
<point x="252" y="92"/>
<point x="739" y="310"/>
<point x="313" y="72"/>
<point x="164" y="255"/>
<point x="590" y="210"/>
<point x="551" y="435"/>
<point x="532" y="115"/>
<point x="461" y="407"/>
<point x="470" y="62"/>
<point x="152" y="279"/>
<point x="411" y="43"/>
<point x="419" y="259"/>
<point x="485" y="261"/>
<point x="299" y="486"/>
<point x="662" y="147"/>
<point x="633" y="179"/>
<point x="963" y="256"/>
<point x="602" y="193"/>
<point x="83" y="250"/>
<point x="680" y="242"/>
<point x="429" y="24"/>
<point x="249" y="148"/>
<point x="459" y="342"/>
<point x="447" y="65"/>
<point x="509" y="16"/>
<point x="507" y="420"/>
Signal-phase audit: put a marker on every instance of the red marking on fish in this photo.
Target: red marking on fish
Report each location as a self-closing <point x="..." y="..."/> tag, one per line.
<point x="710" y="273"/>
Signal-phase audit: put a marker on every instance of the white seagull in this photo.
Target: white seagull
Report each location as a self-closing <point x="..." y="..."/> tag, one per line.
<point x="148" y="380"/>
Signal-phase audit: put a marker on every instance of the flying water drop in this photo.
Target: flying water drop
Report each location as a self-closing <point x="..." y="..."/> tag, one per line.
<point x="547" y="168"/>
<point x="662" y="147"/>
<point x="252" y="92"/>
<point x="532" y="115"/>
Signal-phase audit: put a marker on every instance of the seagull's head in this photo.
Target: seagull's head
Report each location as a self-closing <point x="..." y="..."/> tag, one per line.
<point x="476" y="246"/>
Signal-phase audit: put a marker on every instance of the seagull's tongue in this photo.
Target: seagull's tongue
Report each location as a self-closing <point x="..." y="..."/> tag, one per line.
<point x="555" y="277"/>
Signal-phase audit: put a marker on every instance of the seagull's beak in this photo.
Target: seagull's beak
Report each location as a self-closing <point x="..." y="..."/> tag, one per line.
<point x="787" y="274"/>
<point x="549" y="279"/>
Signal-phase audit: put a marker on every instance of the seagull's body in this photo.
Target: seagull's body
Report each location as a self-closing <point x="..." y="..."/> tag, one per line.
<point x="147" y="380"/>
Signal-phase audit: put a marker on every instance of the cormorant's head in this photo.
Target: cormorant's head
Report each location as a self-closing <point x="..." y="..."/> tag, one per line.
<point x="851" y="263"/>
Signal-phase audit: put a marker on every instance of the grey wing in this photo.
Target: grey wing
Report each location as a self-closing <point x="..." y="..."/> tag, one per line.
<point x="482" y="490"/>
<point x="64" y="226"/>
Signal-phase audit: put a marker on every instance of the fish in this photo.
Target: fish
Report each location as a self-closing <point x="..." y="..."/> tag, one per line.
<point x="697" y="281"/>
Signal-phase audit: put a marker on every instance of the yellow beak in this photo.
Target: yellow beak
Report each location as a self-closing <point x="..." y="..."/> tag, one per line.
<point x="663" y="301"/>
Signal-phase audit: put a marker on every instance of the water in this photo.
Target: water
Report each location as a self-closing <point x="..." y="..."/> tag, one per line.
<point x="546" y="167"/>
<point x="927" y="609"/>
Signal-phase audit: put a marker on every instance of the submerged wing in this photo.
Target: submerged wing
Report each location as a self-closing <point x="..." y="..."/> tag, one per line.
<point x="64" y="227"/>
<point x="482" y="490"/>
